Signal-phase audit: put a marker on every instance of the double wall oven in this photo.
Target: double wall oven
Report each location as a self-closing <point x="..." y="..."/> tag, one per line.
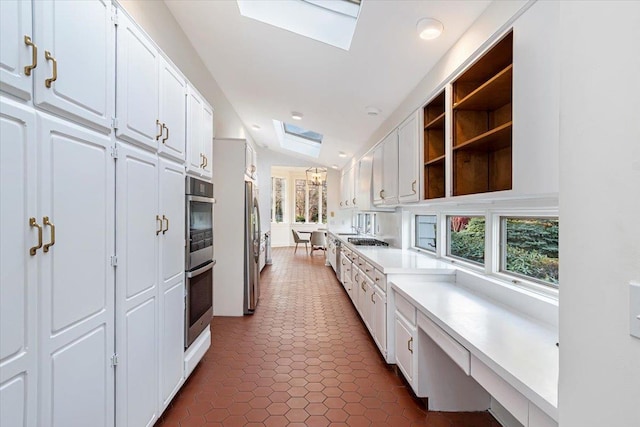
<point x="199" y="258"/>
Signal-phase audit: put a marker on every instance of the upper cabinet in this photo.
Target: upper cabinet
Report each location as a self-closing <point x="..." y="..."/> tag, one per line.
<point x="348" y="187"/>
<point x="408" y="147"/>
<point x="434" y="147"/>
<point x="482" y="123"/>
<point x="199" y="134"/>
<point x="48" y="61"/>
<point x="390" y="169"/>
<point x="151" y="94"/>
<point x="364" y="182"/>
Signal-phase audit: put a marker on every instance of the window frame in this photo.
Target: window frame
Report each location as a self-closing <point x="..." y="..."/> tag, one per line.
<point x="446" y="247"/>
<point x="306" y="201"/>
<point x="284" y="199"/>
<point x="414" y="236"/>
<point x="499" y="268"/>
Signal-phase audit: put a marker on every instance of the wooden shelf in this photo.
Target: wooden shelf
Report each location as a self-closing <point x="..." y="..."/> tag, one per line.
<point x="492" y="140"/>
<point x="436" y="160"/>
<point x="437" y="123"/>
<point x="491" y="95"/>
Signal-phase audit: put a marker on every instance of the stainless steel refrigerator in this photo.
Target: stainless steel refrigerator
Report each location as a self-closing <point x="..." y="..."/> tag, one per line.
<point x="251" y="247"/>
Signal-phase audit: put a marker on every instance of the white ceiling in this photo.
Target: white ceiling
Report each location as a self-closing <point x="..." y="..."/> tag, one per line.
<point x="266" y="72"/>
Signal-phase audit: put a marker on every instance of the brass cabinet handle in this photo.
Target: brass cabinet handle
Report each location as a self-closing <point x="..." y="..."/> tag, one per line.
<point x="377" y="279"/>
<point x="166" y="137"/>
<point x="354" y="200"/>
<point x="34" y="249"/>
<point x="413" y="187"/>
<point x="340" y="203"/>
<point x="343" y="263"/>
<point x="34" y="56"/>
<point x="382" y="194"/>
<point x="372" y="300"/>
<point x="346" y="202"/>
<point x="363" y="288"/>
<point x="164" y="218"/>
<point x="201" y="160"/>
<point x="159" y="124"/>
<point x="206" y="161"/>
<point x="52" y="239"/>
<point x="410" y="345"/>
<point x="54" y="77"/>
<point x="160" y="221"/>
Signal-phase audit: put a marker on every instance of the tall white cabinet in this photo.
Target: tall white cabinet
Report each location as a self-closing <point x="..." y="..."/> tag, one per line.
<point x="92" y="216"/>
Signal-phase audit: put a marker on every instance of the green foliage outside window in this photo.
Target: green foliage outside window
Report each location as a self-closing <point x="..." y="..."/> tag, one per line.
<point x="532" y="247"/>
<point x="467" y="238"/>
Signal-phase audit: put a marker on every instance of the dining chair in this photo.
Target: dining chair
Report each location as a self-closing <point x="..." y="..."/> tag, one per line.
<point x="318" y="241"/>
<point x="298" y="239"/>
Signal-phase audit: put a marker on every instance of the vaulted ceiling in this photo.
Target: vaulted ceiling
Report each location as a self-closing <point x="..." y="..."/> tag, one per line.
<point x="267" y="72"/>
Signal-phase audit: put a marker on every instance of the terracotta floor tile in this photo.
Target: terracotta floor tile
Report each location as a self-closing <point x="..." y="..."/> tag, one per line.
<point x="306" y="360"/>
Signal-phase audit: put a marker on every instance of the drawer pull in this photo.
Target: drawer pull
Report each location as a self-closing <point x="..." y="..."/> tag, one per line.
<point x="372" y="300"/>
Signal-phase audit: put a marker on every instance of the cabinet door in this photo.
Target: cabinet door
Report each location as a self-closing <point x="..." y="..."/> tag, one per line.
<point x="137" y="240"/>
<point x="207" y="141"/>
<point x="173" y="92"/>
<point x="390" y="174"/>
<point x="195" y="131"/>
<point x="378" y="165"/>
<point x="353" y="175"/>
<point x="171" y="341"/>
<point x="408" y="172"/>
<point x="76" y="303"/>
<point x="363" y="184"/>
<point x="137" y="89"/>
<point x="404" y="345"/>
<point x="379" y="320"/>
<point x="80" y="37"/>
<point x="367" y="302"/>
<point x="18" y="321"/>
<point x="15" y="54"/>
<point x="172" y="212"/>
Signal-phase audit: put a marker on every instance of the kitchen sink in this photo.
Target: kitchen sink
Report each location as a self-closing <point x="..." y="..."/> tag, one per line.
<point x="366" y="241"/>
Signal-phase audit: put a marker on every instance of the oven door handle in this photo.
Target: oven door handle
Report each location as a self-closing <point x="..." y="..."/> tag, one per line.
<point x="200" y="270"/>
<point x="191" y="198"/>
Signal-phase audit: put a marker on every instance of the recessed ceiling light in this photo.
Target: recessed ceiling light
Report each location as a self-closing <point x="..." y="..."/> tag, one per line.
<point x="429" y="28"/>
<point x="342" y="154"/>
<point x="296" y="116"/>
<point x="334" y="166"/>
<point x="256" y="127"/>
<point x="372" y="111"/>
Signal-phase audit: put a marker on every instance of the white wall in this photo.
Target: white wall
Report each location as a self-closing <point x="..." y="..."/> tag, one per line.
<point x="156" y="19"/>
<point x="599" y="213"/>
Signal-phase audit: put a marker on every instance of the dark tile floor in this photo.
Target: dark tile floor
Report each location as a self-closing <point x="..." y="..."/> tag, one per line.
<point x="303" y="359"/>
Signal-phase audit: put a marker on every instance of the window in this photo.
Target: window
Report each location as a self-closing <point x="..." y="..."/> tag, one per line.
<point x="425" y="232"/>
<point x="302" y="133"/>
<point x="301" y="200"/>
<point x="466" y="238"/>
<point x="310" y="202"/>
<point x="365" y="223"/>
<point x="278" y="198"/>
<point x="529" y="248"/>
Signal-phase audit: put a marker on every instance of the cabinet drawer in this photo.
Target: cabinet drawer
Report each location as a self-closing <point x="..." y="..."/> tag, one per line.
<point x="369" y="270"/>
<point x="405" y="308"/>
<point x="450" y="346"/>
<point x="380" y="279"/>
<point x="503" y="392"/>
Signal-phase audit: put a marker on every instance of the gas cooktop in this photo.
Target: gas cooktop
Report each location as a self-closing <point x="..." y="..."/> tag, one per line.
<point x="365" y="241"/>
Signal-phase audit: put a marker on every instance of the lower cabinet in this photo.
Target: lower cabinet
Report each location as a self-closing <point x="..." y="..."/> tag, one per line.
<point x="371" y="303"/>
<point x="405" y="338"/>
<point x="149" y="284"/>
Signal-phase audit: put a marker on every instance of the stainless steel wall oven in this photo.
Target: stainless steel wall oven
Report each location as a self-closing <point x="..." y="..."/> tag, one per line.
<point x="199" y="257"/>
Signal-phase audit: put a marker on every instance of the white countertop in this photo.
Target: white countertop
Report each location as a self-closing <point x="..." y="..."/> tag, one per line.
<point x="391" y="260"/>
<point x="520" y="349"/>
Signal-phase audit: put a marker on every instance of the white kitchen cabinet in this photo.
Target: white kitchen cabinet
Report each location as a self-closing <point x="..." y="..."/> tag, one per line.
<point x="379" y="318"/>
<point x="42" y="54"/>
<point x="150" y="284"/>
<point x="137" y="239"/>
<point x="76" y="188"/>
<point x="172" y="252"/>
<point x="17" y="51"/>
<point x="390" y="169"/>
<point x="347" y="188"/>
<point x="74" y="76"/>
<point x="405" y="337"/>
<point x="151" y="97"/>
<point x="172" y="111"/>
<point x="363" y="182"/>
<point x="377" y="171"/>
<point x="199" y="134"/>
<point x="409" y="159"/>
<point x="18" y="292"/>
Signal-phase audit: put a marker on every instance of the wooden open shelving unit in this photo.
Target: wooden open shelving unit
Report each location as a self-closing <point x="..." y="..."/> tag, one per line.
<point x="434" y="148"/>
<point x="482" y="123"/>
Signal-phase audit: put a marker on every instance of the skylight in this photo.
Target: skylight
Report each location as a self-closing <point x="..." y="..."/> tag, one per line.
<point x="329" y="21"/>
<point x="297" y="139"/>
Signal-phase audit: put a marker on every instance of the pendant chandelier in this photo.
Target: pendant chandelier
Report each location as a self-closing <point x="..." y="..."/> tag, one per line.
<point x="316" y="176"/>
